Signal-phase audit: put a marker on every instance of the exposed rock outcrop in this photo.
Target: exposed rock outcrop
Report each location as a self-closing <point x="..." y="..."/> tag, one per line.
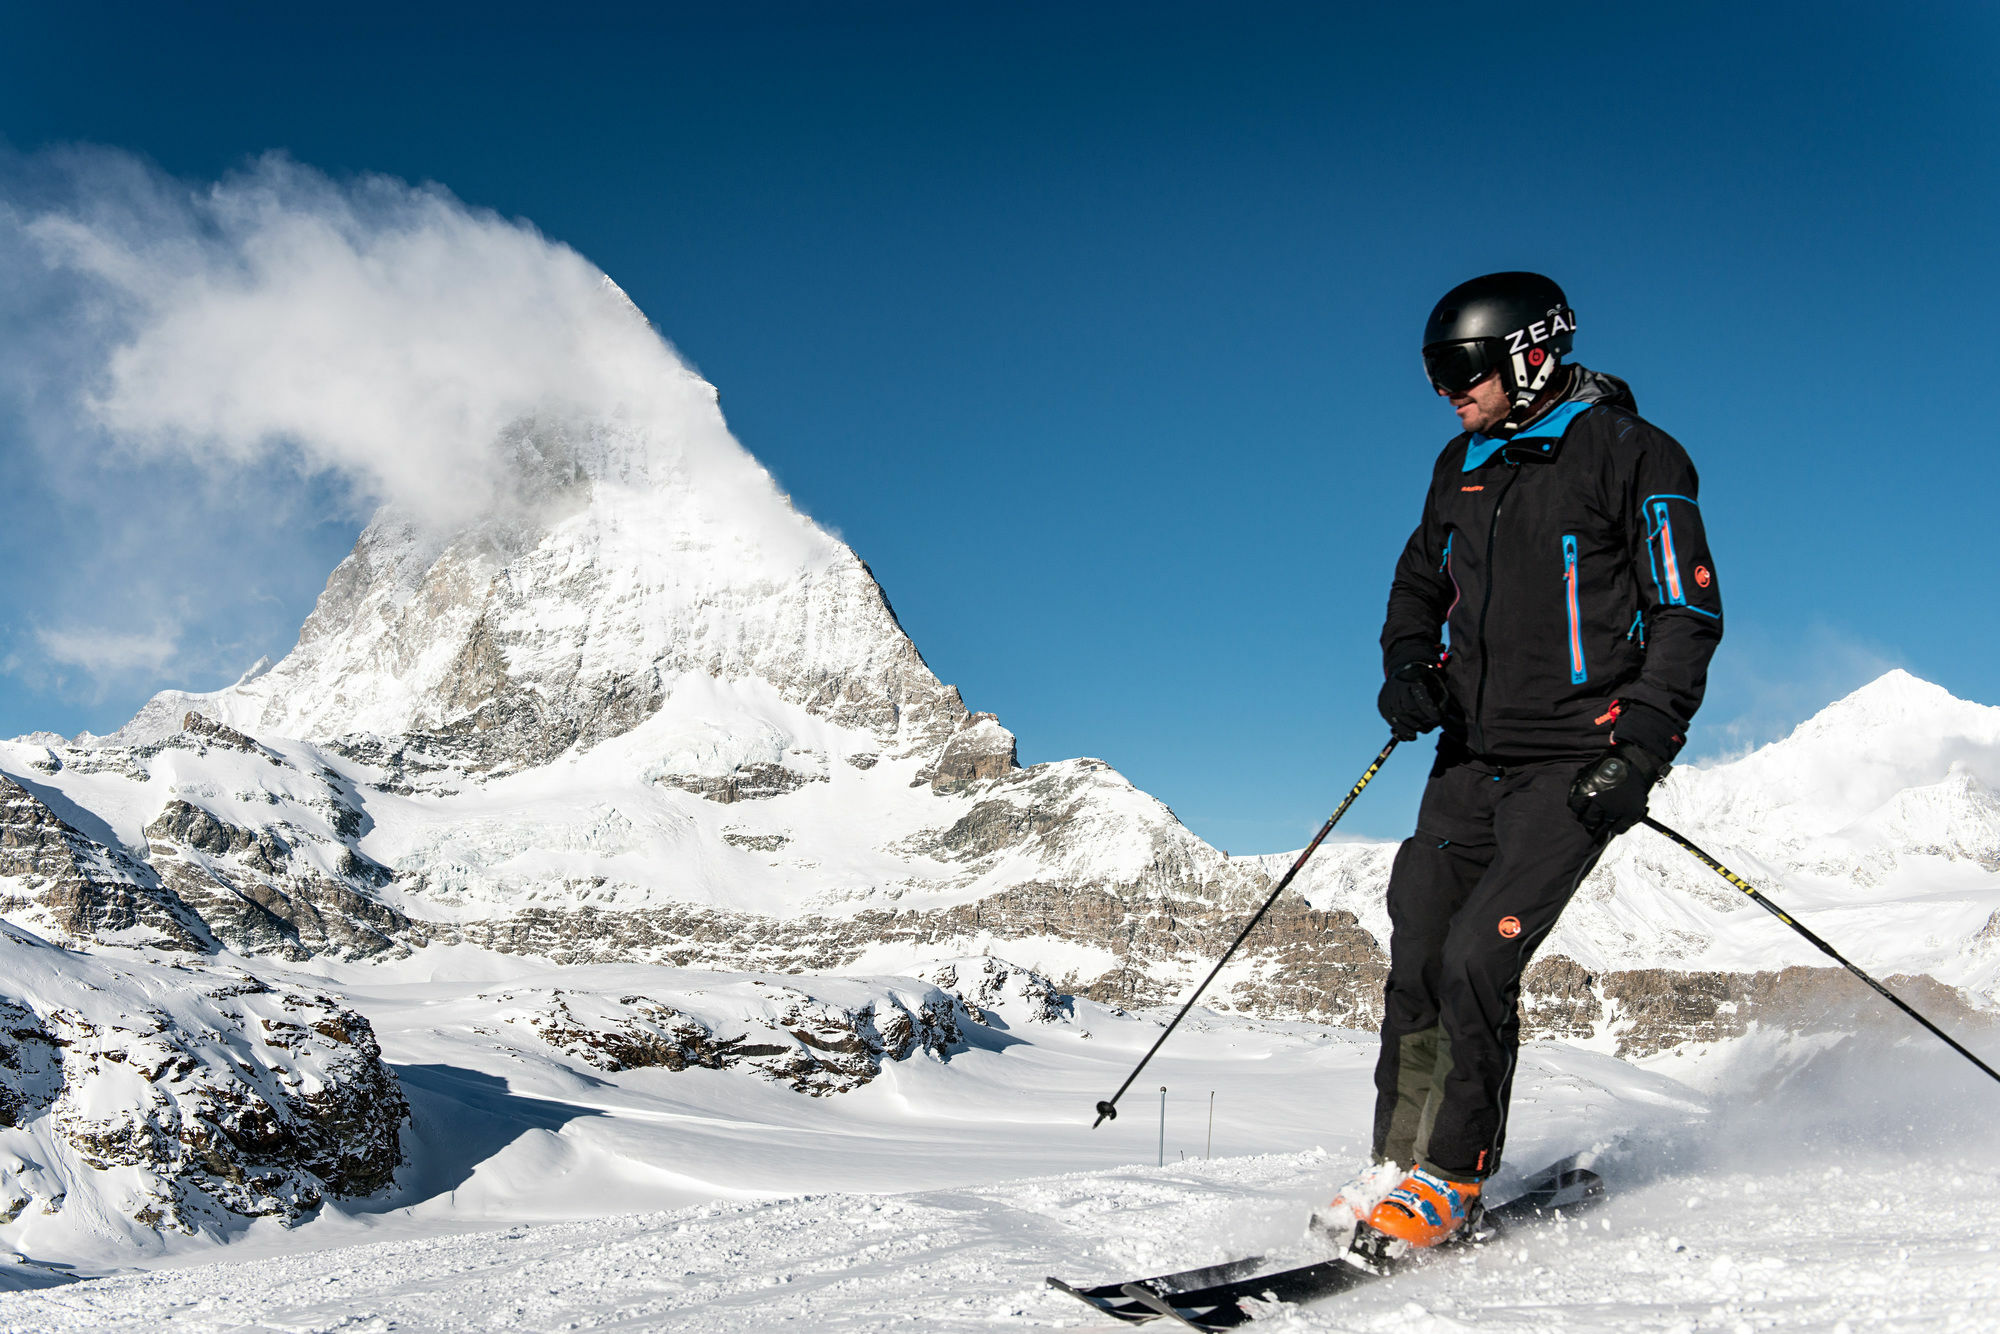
<point x="204" y="729"/>
<point x="1559" y="999"/>
<point x="980" y="750"/>
<point x="256" y="890"/>
<point x="210" y="1098"/>
<point x="1658" y="1009"/>
<point x="813" y="1045"/>
<point x="1301" y="963"/>
<point x="991" y="988"/>
<point x="77" y="889"/>
<point x="750" y="783"/>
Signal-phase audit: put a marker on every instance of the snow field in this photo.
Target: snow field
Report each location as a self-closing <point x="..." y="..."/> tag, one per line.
<point x="1767" y="1186"/>
<point x="1732" y="1252"/>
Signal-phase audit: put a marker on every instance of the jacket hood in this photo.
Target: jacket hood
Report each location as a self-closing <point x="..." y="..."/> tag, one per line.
<point x="1589" y="386"/>
<point x="1585" y="386"/>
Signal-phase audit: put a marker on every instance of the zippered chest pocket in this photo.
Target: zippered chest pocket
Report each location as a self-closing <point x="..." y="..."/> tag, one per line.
<point x="1578" y="673"/>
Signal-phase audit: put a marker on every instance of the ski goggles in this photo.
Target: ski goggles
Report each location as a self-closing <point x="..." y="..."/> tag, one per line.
<point x="1454" y="368"/>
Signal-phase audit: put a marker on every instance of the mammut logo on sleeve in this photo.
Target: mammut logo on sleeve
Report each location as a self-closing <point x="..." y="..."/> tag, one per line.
<point x="1702" y="576"/>
<point x="1472" y="488"/>
<point x="1510" y="927"/>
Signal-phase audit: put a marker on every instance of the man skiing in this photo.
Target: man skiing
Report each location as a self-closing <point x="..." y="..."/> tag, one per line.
<point x="1561" y="550"/>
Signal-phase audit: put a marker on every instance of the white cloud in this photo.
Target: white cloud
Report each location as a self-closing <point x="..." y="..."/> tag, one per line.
<point x="383" y="332"/>
<point x="106" y="653"/>
<point x="199" y="377"/>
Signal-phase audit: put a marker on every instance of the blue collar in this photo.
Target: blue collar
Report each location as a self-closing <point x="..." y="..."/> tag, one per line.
<point x="1548" y="431"/>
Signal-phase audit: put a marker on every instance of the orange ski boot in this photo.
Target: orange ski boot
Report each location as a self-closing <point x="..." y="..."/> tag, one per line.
<point x="1354" y="1202"/>
<point x="1427" y="1209"/>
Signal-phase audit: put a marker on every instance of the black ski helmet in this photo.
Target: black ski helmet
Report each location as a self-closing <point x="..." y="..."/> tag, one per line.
<point x="1518" y="324"/>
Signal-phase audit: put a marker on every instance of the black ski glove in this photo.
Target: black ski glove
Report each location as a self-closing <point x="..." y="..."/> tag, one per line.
<point x="1609" y="794"/>
<point x="1412" y="699"/>
<point x="1643" y="725"/>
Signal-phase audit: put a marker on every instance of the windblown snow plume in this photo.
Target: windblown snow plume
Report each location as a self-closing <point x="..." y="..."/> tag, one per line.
<point x="282" y="342"/>
<point x="381" y="331"/>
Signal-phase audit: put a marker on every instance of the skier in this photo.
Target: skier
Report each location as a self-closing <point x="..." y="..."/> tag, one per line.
<point x="1561" y="550"/>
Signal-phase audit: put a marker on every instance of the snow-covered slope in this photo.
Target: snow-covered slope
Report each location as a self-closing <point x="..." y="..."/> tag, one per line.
<point x="1762" y="1187"/>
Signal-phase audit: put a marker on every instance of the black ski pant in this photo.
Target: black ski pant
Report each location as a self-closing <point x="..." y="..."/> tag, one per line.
<point x="1496" y="856"/>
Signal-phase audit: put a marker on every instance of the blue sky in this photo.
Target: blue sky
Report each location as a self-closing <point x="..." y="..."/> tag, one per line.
<point x="1093" y="327"/>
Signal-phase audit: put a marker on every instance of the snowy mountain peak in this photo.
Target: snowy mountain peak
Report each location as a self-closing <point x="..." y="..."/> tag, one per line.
<point x="1898" y="702"/>
<point x="629" y="553"/>
<point x="1897" y="732"/>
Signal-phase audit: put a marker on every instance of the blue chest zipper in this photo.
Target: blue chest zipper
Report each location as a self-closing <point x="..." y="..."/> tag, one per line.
<point x="1577" y="674"/>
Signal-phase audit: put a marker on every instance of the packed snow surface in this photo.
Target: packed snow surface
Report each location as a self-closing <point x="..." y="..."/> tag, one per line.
<point x="1811" y="1184"/>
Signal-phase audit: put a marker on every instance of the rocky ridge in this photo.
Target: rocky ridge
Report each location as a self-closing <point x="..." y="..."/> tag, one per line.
<point x="181" y="1098"/>
<point x="54" y="877"/>
<point x="780" y="1031"/>
<point x="1134" y="941"/>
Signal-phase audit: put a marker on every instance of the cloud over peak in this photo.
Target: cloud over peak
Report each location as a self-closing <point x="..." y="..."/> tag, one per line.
<point x="383" y="332"/>
<point x="205" y="385"/>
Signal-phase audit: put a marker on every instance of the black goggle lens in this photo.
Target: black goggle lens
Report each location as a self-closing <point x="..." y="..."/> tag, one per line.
<point x="1455" y="367"/>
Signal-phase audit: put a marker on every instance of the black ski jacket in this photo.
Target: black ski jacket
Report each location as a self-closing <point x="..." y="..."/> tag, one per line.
<point x="1569" y="565"/>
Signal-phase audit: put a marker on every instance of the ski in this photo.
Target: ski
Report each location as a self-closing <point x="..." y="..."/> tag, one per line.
<point x="1203" y="1299"/>
<point x="1227" y="1305"/>
<point x="1110" y="1298"/>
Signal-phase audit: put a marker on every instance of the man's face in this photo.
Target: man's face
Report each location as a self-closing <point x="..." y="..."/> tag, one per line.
<point x="1481" y="407"/>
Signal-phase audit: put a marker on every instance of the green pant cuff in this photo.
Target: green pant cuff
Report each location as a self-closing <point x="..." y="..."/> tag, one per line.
<point x="1455" y="1174"/>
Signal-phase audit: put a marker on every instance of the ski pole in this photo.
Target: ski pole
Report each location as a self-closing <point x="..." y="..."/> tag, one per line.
<point x="1108" y="1109"/>
<point x="1817" y="943"/>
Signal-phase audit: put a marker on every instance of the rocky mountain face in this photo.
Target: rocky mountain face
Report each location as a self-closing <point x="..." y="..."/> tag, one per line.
<point x="175" y="1098"/>
<point x="57" y="877"/>
<point x="784" y="1033"/>
<point x="631" y="558"/>
<point x="648" y="712"/>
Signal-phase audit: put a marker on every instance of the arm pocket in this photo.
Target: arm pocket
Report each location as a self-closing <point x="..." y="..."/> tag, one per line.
<point x="1677" y="555"/>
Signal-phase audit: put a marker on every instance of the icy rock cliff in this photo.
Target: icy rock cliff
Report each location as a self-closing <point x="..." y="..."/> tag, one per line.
<point x="829" y="1042"/>
<point x="181" y="1099"/>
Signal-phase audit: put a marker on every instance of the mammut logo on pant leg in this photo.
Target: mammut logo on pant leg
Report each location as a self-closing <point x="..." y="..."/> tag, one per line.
<point x="1510" y="927"/>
